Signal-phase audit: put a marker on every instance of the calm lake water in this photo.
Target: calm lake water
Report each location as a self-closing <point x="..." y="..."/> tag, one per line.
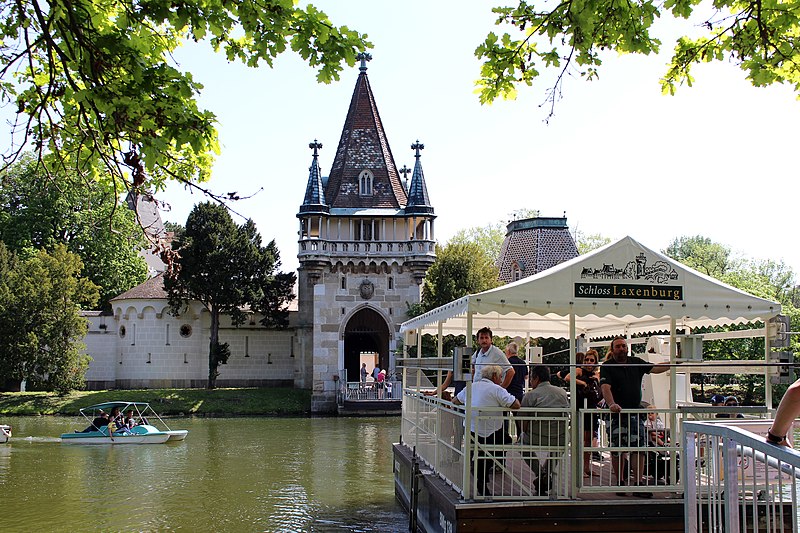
<point x="230" y="474"/>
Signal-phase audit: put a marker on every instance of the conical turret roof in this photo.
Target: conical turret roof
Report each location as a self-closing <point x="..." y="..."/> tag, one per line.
<point x="314" y="200"/>
<point x="418" y="202"/>
<point x="364" y="147"/>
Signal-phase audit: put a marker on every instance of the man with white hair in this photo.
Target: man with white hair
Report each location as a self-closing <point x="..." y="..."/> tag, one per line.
<point x="487" y="427"/>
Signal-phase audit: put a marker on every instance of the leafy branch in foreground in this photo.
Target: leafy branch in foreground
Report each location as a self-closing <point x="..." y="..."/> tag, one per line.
<point x="762" y="37"/>
<point x="97" y="94"/>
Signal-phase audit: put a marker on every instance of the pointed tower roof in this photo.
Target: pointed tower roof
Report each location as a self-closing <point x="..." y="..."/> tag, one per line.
<point x="364" y="147"/>
<point x="314" y="200"/>
<point x="418" y="202"/>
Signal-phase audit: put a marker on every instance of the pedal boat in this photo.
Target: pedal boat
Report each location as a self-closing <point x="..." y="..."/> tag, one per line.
<point x="5" y="433"/>
<point x="142" y="433"/>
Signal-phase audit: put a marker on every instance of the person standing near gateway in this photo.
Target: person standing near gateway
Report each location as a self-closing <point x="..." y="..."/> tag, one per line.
<point x="489" y="354"/>
<point x="364" y="373"/>
<point x="621" y="385"/>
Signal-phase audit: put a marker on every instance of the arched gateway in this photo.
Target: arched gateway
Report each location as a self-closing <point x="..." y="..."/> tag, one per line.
<point x="366" y="333"/>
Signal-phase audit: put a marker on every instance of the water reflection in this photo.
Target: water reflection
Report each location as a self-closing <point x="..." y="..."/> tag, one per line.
<point x="243" y="474"/>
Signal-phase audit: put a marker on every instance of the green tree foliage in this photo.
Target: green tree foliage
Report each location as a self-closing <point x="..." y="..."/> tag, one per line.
<point x="586" y="243"/>
<point x="766" y="279"/>
<point x="41" y="328"/>
<point x="460" y="268"/>
<point x="703" y="255"/>
<point x="491" y="237"/>
<point x="569" y="37"/>
<point x="38" y="211"/>
<point x="97" y="92"/>
<point x="224" y="267"/>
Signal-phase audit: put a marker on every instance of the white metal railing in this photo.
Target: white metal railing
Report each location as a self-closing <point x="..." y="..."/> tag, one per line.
<point x="736" y="481"/>
<point x="370" y="390"/>
<point x="630" y="456"/>
<point x="552" y="467"/>
<point x="534" y="466"/>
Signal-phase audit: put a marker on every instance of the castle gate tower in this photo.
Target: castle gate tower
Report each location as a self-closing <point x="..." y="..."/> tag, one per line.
<point x="366" y="242"/>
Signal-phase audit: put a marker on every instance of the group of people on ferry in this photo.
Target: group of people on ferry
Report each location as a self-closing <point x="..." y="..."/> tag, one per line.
<point x="616" y="384"/>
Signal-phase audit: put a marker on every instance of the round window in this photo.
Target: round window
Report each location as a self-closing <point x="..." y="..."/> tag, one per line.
<point x="122" y="331"/>
<point x="186" y="330"/>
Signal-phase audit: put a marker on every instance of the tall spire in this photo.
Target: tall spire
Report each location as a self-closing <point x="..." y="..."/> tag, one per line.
<point x="314" y="201"/>
<point x="363" y="156"/>
<point x="418" y="202"/>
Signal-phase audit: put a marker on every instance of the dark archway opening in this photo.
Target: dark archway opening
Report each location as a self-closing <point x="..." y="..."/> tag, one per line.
<point x="366" y="332"/>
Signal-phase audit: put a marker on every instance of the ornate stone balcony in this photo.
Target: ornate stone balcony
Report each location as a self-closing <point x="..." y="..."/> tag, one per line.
<point x="311" y="248"/>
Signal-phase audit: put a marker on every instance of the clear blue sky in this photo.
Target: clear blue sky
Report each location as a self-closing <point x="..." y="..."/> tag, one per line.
<point x="718" y="160"/>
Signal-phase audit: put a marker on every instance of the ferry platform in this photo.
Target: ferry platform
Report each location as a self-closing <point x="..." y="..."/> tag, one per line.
<point x="717" y="475"/>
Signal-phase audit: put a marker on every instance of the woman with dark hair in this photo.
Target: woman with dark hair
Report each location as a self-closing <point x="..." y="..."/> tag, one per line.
<point x="587" y="384"/>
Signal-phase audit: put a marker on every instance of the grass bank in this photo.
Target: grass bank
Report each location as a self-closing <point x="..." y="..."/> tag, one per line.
<point x="166" y="402"/>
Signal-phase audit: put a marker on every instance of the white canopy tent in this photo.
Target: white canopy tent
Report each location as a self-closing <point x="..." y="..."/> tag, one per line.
<point x="623" y="288"/>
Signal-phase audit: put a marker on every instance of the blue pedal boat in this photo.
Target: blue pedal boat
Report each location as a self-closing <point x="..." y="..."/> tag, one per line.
<point x="143" y="431"/>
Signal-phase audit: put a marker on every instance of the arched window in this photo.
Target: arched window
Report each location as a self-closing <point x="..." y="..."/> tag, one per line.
<point x="365" y="183"/>
<point x="516" y="272"/>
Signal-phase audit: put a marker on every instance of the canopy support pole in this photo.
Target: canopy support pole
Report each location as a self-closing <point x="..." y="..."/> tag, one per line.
<point x="767" y="377"/>
<point x="419" y="356"/>
<point x="673" y="394"/>
<point x="576" y="445"/>
<point x="439" y="349"/>
<point x="468" y="338"/>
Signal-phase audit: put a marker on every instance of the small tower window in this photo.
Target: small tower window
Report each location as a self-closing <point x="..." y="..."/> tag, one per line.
<point x="344" y="283"/>
<point x="516" y="272"/>
<point x="365" y="183"/>
<point x="391" y="283"/>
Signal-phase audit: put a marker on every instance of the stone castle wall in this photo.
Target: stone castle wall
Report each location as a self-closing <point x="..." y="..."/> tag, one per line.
<point x="143" y="346"/>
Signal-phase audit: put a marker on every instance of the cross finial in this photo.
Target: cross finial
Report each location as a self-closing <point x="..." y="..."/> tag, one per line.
<point x="417" y="146"/>
<point x="315" y="146"/>
<point x="405" y="171"/>
<point x="364" y="57"/>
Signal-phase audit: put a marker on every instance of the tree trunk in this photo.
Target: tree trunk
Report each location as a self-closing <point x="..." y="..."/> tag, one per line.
<point x="213" y="362"/>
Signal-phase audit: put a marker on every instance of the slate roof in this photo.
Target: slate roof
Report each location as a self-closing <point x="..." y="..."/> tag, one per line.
<point x="363" y="146"/>
<point x="533" y="245"/>
<point x="314" y="200"/>
<point x="418" y="201"/>
<point x="152" y="289"/>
